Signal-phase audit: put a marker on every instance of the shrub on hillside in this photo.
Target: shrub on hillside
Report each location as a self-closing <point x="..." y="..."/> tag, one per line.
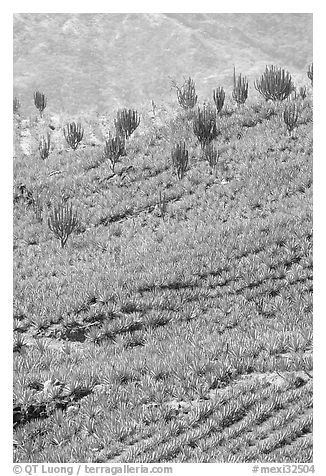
<point x="227" y="110"/>
<point x="180" y="127"/>
<point x="298" y="94"/>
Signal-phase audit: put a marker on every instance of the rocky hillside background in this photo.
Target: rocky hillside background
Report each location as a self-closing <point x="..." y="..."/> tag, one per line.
<point x="96" y="62"/>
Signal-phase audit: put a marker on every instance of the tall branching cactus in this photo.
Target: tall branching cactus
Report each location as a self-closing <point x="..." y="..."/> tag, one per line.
<point x="303" y="92"/>
<point x="74" y="134"/>
<point x="240" y="89"/>
<point x="275" y="84"/>
<point x="180" y="159"/>
<point x="62" y="222"/>
<point x="44" y="146"/>
<point x="187" y="97"/>
<point x="290" y="116"/>
<point x="204" y="125"/>
<point x="126" y="122"/>
<point x="16" y="105"/>
<point x="154" y="107"/>
<point x="211" y="155"/>
<point x="310" y="73"/>
<point x="114" y="149"/>
<point x="40" y="101"/>
<point x="219" y="98"/>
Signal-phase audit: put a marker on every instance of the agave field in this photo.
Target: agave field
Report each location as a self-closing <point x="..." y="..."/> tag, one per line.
<point x="163" y="280"/>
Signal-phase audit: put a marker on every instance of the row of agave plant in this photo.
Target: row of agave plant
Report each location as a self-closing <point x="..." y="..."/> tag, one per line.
<point x="275" y="84"/>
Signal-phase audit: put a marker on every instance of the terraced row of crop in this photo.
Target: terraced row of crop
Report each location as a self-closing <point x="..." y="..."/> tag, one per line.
<point x="228" y="248"/>
<point x="233" y="420"/>
<point x="103" y="324"/>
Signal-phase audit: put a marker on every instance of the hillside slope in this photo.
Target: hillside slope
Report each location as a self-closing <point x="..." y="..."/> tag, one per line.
<point x="166" y="332"/>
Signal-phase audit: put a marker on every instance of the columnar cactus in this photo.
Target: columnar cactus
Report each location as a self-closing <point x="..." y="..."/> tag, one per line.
<point x="16" y="105"/>
<point x="154" y="107"/>
<point x="44" y="146"/>
<point x="73" y="134"/>
<point x="310" y="73"/>
<point x="275" y="84"/>
<point x="186" y="95"/>
<point x="114" y="149"/>
<point x="290" y="116"/>
<point x="62" y="222"/>
<point x="211" y="155"/>
<point x="40" y="101"/>
<point x="204" y="125"/>
<point x="303" y="92"/>
<point x="240" y="89"/>
<point x="180" y="159"/>
<point x="126" y="122"/>
<point x="219" y="98"/>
